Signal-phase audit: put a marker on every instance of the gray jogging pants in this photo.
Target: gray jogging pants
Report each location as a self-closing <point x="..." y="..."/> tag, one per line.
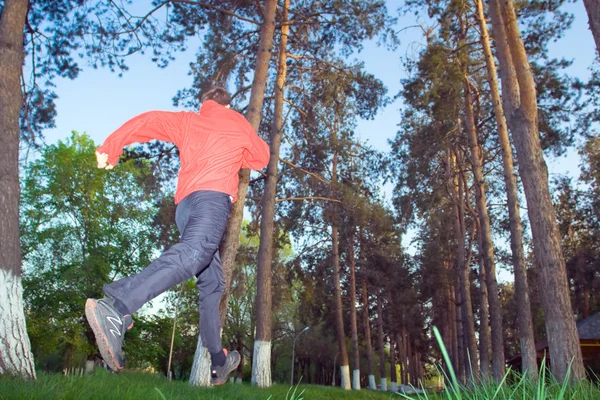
<point x="201" y="218"/>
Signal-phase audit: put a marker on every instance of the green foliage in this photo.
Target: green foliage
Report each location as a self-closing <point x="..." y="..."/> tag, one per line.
<point x="81" y="227"/>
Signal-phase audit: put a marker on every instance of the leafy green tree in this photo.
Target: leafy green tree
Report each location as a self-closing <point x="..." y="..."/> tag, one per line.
<point x="80" y="229"/>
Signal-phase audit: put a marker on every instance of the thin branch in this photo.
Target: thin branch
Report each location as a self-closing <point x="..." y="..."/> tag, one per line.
<point x="308" y="198"/>
<point x="260" y="178"/>
<point x="211" y="7"/>
<point x="303" y="170"/>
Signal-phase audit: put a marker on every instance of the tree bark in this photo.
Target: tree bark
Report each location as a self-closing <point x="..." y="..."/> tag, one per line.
<point x="463" y="268"/>
<point x="498" y="364"/>
<point x="353" y="317"/>
<point x="527" y="342"/>
<point x="460" y="335"/>
<point x="380" y="342"/>
<point x="231" y="239"/>
<point x="265" y="250"/>
<point x="412" y="370"/>
<point x="402" y="356"/>
<point x="200" y="373"/>
<point x="593" y="11"/>
<point x="339" y="318"/>
<point x="367" y="327"/>
<point x="453" y="323"/>
<point x="485" y="344"/>
<point x="15" y="349"/>
<point x="520" y="107"/>
<point x="393" y="375"/>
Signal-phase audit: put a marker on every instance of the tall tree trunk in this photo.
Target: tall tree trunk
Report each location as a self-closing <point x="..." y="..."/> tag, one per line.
<point x="593" y="11"/>
<point x="485" y="344"/>
<point x="409" y="351"/>
<point x="448" y="314"/>
<point x="353" y="323"/>
<point x="520" y="107"/>
<point x="200" y="373"/>
<point x="367" y="327"/>
<point x="261" y="369"/>
<point x="231" y="240"/>
<point x="400" y="341"/>
<point x="460" y="335"/>
<point x="463" y="268"/>
<point x="586" y="303"/>
<point x="15" y="349"/>
<point x="393" y="375"/>
<point x="498" y="364"/>
<point x="339" y="318"/>
<point x="527" y="341"/>
<point x="380" y="342"/>
<point x="453" y="321"/>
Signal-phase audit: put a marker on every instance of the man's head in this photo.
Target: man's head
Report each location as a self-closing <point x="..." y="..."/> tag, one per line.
<point x="218" y="94"/>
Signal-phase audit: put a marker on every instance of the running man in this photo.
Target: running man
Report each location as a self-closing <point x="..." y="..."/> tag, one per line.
<point x="214" y="144"/>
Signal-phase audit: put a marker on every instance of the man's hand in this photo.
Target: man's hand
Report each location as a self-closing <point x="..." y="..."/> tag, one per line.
<point x="102" y="159"/>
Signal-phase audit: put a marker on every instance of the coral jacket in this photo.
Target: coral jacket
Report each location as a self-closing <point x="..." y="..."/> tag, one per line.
<point x="214" y="144"/>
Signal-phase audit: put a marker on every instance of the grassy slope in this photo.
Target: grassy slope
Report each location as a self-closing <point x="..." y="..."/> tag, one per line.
<point x="139" y="386"/>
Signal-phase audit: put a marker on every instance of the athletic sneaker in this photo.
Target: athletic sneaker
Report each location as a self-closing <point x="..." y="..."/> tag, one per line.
<point x="218" y="375"/>
<point x="109" y="327"/>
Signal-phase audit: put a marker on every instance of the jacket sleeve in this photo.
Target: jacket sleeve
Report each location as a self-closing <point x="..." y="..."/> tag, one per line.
<point x="153" y="125"/>
<point x="257" y="155"/>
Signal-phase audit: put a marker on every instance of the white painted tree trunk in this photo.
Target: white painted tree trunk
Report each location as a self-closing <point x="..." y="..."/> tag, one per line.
<point x="238" y="380"/>
<point x="384" y="384"/>
<point x="356" y="379"/>
<point x="345" y="376"/>
<point x="200" y="375"/>
<point x="372" y="384"/>
<point x="261" y="364"/>
<point x="89" y="366"/>
<point x="15" y="349"/>
<point x="394" y="387"/>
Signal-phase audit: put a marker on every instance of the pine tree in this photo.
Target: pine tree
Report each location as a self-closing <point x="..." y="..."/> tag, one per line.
<point x="520" y="107"/>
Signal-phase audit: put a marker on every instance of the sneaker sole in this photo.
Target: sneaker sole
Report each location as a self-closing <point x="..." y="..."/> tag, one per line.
<point x="101" y="340"/>
<point x="233" y="368"/>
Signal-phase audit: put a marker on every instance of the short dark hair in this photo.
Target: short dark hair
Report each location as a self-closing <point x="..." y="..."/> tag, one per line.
<point x="218" y="94"/>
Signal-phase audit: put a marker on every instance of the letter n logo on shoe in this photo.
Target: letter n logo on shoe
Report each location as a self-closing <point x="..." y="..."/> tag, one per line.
<point x="114" y="321"/>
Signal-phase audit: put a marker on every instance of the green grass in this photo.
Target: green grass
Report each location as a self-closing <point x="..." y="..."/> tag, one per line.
<point x="513" y="386"/>
<point x="142" y="386"/>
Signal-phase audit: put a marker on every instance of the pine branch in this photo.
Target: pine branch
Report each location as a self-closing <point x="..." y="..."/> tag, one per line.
<point x="303" y="170"/>
<point x="215" y="8"/>
<point x="308" y="198"/>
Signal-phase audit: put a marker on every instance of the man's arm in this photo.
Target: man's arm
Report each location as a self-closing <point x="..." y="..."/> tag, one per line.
<point x="153" y="125"/>
<point x="257" y="155"/>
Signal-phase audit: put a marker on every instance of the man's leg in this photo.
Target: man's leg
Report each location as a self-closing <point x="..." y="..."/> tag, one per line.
<point x="202" y="219"/>
<point x="201" y="232"/>
<point x="210" y="287"/>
